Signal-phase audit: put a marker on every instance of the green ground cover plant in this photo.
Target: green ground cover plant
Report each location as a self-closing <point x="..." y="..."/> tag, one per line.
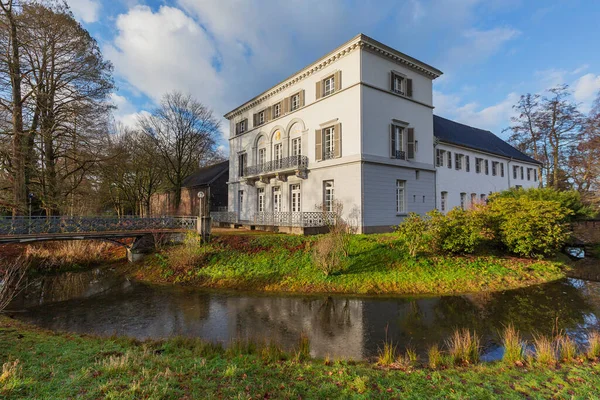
<point x="41" y="364"/>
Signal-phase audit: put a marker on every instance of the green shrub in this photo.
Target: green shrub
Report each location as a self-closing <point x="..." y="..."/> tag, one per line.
<point x="569" y="199"/>
<point x="530" y="227"/>
<point x="414" y="234"/>
<point x="464" y="231"/>
<point x="328" y="255"/>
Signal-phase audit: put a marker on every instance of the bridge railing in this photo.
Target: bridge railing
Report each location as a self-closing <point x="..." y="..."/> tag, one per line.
<point x="64" y="224"/>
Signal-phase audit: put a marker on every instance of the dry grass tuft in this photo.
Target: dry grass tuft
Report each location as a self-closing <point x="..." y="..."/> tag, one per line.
<point x="593" y="350"/>
<point x="387" y="355"/>
<point x="567" y="348"/>
<point x="73" y="252"/>
<point x="513" y="345"/>
<point x="10" y="371"/>
<point x="463" y="347"/>
<point x="434" y="356"/>
<point x="545" y="349"/>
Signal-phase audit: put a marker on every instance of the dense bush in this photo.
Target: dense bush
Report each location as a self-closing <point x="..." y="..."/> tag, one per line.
<point x="522" y="225"/>
<point x="459" y="231"/>
<point x="414" y="234"/>
<point x="531" y="228"/>
<point x="569" y="199"/>
<point x="464" y="231"/>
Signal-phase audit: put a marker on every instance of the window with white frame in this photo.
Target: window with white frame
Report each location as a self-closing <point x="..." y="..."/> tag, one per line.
<point x="522" y="174"/>
<point x="242" y="126"/>
<point x="515" y="171"/>
<point x="400" y="197"/>
<point x="262" y="156"/>
<point x="295" y="102"/>
<point x="483" y="198"/>
<point x="328" y="85"/>
<point x="535" y="174"/>
<point x="399" y="84"/>
<point x="443" y="201"/>
<point x="502" y="169"/>
<point x="487" y="167"/>
<point x="467" y="163"/>
<point x="449" y="160"/>
<point x="328" y="143"/>
<point x="277" y="110"/>
<point x="328" y="196"/>
<point x="295" y="197"/>
<point x="296" y="146"/>
<point x="494" y="168"/>
<point x="240" y="201"/>
<point x="260" y="206"/>
<point x="463" y="201"/>
<point x="261" y="117"/>
<point x="276" y="199"/>
<point x="277" y="153"/>
<point x="528" y="174"/>
<point x="398" y="142"/>
<point x="458" y="161"/>
<point x="478" y="162"/>
<point x="439" y="157"/>
<point x="473" y="199"/>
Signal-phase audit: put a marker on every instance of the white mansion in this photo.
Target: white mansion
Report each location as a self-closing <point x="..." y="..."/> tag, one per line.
<point x="357" y="127"/>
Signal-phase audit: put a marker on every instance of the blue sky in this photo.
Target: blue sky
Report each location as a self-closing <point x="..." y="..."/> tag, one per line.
<point x="224" y="52"/>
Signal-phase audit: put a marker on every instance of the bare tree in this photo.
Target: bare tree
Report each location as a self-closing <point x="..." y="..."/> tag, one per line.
<point x="547" y="128"/>
<point x="185" y="133"/>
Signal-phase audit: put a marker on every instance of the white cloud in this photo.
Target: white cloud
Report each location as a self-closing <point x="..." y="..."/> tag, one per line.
<point x="585" y="90"/>
<point x="494" y="118"/>
<point x="85" y="10"/>
<point x="580" y="69"/>
<point x="158" y="52"/>
<point x="126" y="113"/>
<point x="478" y="45"/>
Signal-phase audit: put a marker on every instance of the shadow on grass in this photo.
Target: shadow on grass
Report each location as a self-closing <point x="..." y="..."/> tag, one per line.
<point x="378" y="258"/>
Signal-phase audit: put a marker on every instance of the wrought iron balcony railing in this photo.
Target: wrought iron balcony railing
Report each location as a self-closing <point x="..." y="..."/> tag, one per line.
<point x="287" y="163"/>
<point x="399" y="155"/>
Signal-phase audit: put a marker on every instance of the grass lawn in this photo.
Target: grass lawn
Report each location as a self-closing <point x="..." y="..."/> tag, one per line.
<point x="43" y="365"/>
<point x="375" y="265"/>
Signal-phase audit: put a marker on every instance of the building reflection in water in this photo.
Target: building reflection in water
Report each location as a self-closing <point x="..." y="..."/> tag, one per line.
<point x="105" y="303"/>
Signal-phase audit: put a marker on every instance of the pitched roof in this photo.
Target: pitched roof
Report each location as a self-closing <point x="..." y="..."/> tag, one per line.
<point x="478" y="139"/>
<point x="207" y="175"/>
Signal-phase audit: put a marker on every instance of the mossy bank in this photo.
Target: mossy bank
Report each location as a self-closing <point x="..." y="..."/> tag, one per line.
<point x="375" y="264"/>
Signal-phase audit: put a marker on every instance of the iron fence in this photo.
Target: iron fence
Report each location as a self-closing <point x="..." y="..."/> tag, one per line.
<point x="293" y="162"/>
<point x="314" y="219"/>
<point x="65" y="224"/>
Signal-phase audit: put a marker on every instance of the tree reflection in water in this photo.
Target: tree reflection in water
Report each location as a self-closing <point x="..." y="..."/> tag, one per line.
<point x="106" y="303"/>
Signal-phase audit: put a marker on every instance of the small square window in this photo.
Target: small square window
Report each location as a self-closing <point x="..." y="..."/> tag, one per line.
<point x="328" y="85"/>
<point x="295" y="102"/>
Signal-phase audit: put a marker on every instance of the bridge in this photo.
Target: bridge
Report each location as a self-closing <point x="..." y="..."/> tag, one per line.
<point x="144" y="230"/>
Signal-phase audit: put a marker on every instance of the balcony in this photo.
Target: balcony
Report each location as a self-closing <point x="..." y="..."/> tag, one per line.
<point x="399" y="155"/>
<point x="281" y="167"/>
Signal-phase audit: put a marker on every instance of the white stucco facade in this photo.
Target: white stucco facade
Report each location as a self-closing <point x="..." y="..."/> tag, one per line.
<point x="356" y="126"/>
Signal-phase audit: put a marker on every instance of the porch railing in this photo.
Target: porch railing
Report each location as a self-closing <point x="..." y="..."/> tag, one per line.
<point x="292" y="162"/>
<point x="310" y="219"/>
<point x="67" y="224"/>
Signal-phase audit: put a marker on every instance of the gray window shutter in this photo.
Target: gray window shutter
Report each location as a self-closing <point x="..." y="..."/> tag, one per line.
<point x="302" y="98"/>
<point x="254" y="120"/>
<point x="337" y="140"/>
<point x="392" y="76"/>
<point x="392" y="142"/>
<point x="237" y="128"/>
<point x="318" y="88"/>
<point x="409" y="91"/>
<point x="286" y="105"/>
<point x="337" y="77"/>
<point x="268" y="114"/>
<point x="411" y="143"/>
<point x="318" y="144"/>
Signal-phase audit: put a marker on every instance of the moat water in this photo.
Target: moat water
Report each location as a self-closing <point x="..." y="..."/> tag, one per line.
<point x="105" y="302"/>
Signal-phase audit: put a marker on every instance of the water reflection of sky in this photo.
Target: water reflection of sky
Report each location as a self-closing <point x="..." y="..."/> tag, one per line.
<point x="105" y="303"/>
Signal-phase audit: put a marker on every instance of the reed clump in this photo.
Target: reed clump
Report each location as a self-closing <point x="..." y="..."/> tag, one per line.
<point x="513" y="345"/>
<point x="593" y="349"/>
<point x="463" y="347"/>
